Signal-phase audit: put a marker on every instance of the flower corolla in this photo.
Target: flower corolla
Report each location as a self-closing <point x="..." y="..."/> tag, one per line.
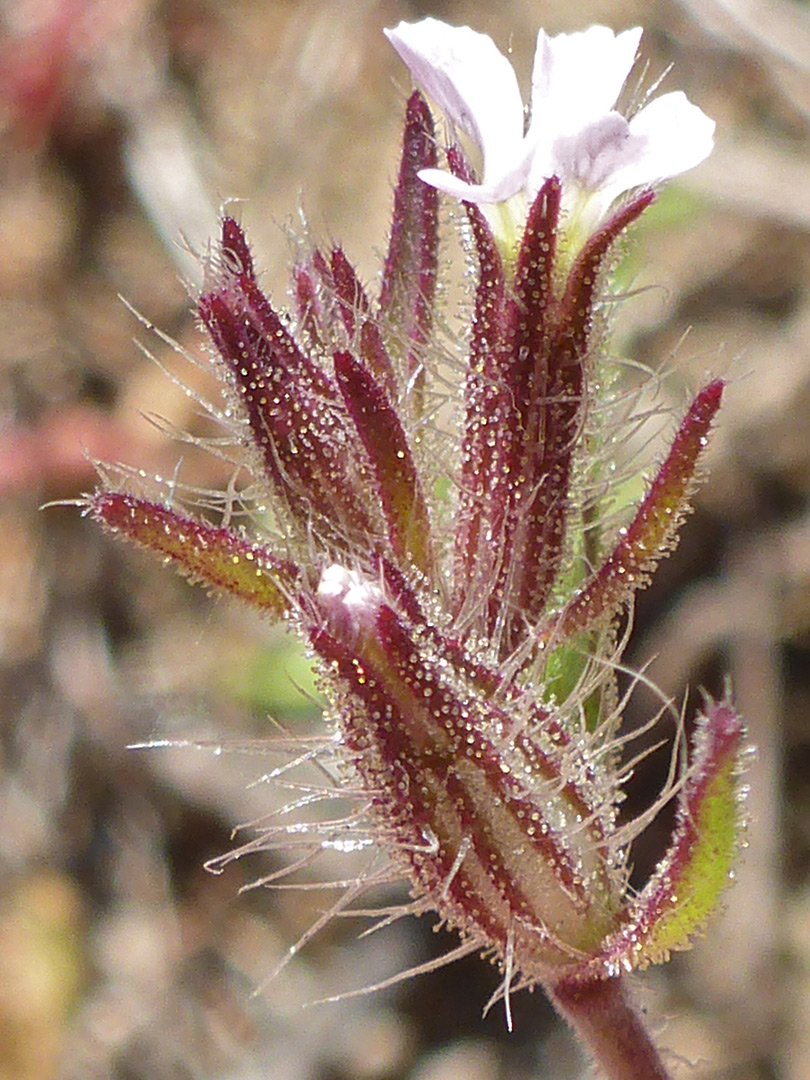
<point x="575" y="132"/>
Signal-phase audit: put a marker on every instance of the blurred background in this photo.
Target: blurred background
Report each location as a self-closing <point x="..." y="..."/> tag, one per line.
<point x="124" y="126"/>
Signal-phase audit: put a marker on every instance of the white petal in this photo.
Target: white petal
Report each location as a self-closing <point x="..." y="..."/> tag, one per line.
<point x="677" y="135"/>
<point x="471" y="81"/>
<point x="350" y="603"/>
<point x="504" y="187"/>
<point x="337" y="580"/>
<point x="592" y="156"/>
<point x="578" y="77"/>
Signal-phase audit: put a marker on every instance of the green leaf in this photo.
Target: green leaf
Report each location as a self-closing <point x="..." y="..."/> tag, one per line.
<point x="687" y="885"/>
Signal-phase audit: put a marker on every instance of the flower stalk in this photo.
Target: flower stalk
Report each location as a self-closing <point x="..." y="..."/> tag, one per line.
<point x="610" y="1026"/>
<point x="466" y="609"/>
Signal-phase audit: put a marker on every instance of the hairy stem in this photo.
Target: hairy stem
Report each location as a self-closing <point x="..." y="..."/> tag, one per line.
<point x="610" y="1026"/>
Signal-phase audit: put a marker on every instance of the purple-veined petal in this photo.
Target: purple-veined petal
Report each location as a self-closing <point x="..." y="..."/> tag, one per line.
<point x="587" y="162"/>
<point x="471" y="81"/>
<point x="591" y="157"/>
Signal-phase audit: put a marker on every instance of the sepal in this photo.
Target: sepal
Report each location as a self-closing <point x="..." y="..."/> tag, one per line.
<point x="409" y="275"/>
<point x="397" y="479"/>
<point x="688" y="882"/>
<point x="361" y="325"/>
<point x="653" y="532"/>
<point x="295" y="426"/>
<point x="212" y="555"/>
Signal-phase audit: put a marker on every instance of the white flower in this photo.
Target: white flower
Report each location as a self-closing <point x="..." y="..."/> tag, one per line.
<point x="575" y="132"/>
<point x="349" y="602"/>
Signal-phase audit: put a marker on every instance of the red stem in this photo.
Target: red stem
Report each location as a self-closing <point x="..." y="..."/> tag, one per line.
<point x="609" y="1024"/>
